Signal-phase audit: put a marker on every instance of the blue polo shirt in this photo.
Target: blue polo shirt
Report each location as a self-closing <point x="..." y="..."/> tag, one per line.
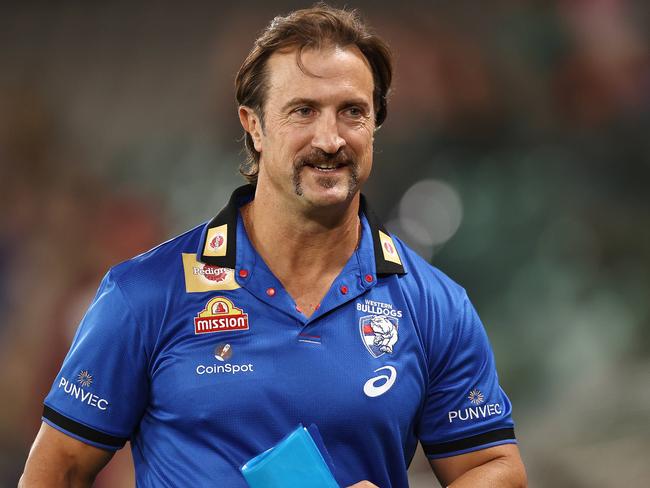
<point x="195" y="353"/>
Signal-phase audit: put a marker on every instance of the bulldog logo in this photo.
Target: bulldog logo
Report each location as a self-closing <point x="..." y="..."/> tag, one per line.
<point x="379" y="334"/>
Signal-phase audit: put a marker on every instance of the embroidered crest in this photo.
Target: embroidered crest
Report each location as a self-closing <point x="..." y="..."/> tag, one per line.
<point x="379" y="334"/>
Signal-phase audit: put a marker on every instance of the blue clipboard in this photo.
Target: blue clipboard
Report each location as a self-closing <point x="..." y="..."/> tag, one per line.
<point x="300" y="460"/>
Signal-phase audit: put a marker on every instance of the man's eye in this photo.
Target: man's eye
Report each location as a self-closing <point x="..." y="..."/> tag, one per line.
<point x="354" y="112"/>
<point x="304" y="111"/>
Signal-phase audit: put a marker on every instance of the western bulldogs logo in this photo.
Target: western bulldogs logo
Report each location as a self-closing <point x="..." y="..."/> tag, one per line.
<point x="379" y="334"/>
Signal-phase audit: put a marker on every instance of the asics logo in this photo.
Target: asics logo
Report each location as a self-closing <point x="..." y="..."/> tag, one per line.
<point x="372" y="390"/>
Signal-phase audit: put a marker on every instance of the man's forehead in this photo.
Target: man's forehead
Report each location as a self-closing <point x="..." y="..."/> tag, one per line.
<point x="289" y="67"/>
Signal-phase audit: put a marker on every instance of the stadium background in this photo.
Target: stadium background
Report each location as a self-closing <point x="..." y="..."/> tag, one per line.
<point x="515" y="156"/>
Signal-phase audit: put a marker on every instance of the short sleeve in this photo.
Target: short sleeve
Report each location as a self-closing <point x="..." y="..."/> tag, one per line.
<point x="465" y="408"/>
<point x="100" y="393"/>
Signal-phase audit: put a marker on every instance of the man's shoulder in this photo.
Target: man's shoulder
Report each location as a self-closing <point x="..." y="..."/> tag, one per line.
<point x="438" y="300"/>
<point x="159" y="265"/>
<point x="425" y="278"/>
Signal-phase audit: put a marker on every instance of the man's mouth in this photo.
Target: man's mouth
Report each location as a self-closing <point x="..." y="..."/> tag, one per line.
<point x="326" y="163"/>
<point x="326" y="167"/>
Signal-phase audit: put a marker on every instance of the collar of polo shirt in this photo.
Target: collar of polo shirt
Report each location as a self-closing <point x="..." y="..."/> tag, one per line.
<point x="387" y="259"/>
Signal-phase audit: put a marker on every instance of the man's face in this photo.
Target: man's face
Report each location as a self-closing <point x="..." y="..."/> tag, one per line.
<point x="316" y="145"/>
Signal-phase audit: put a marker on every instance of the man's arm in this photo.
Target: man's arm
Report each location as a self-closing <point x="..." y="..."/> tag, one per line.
<point x="57" y="460"/>
<point x="499" y="466"/>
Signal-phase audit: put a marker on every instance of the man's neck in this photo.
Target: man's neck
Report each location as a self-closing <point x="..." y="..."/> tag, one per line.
<point x="304" y="250"/>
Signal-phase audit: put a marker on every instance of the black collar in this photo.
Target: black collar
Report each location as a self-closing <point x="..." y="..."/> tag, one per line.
<point x="387" y="259"/>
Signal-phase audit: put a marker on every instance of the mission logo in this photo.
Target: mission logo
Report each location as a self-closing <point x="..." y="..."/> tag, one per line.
<point x="220" y="315"/>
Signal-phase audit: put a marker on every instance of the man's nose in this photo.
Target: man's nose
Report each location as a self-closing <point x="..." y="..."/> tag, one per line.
<point x="326" y="134"/>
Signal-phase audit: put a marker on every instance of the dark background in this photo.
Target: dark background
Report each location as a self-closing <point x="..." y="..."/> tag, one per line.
<point x="515" y="157"/>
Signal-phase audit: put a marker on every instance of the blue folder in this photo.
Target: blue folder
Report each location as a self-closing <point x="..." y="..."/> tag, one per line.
<point x="300" y="460"/>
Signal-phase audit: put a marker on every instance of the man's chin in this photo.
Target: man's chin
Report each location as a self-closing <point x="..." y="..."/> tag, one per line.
<point x="325" y="194"/>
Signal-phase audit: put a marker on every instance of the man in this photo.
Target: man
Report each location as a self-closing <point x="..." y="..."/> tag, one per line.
<point x="292" y="305"/>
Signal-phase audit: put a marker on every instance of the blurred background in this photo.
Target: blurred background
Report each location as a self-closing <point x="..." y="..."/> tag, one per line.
<point x="516" y="157"/>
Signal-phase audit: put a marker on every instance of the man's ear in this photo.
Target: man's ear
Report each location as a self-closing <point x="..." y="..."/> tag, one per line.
<point x="252" y="124"/>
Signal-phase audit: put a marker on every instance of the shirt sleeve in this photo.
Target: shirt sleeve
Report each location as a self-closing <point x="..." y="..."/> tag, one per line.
<point x="465" y="408"/>
<point x="100" y="393"/>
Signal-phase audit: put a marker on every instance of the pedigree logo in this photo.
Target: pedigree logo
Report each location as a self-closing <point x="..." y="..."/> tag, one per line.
<point x="200" y="277"/>
<point x="220" y="315"/>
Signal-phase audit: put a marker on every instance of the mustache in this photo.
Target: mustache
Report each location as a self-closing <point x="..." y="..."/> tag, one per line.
<point x="318" y="156"/>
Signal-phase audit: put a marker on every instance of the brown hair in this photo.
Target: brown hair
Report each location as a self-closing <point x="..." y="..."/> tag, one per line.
<point x="311" y="28"/>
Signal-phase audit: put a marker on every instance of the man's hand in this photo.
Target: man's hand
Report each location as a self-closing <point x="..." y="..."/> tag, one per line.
<point x="363" y="484"/>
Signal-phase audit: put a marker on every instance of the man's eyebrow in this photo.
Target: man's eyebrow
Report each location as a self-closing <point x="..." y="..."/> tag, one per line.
<point x="356" y="101"/>
<point x="295" y="102"/>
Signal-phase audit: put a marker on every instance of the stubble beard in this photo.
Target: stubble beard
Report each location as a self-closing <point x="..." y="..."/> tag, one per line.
<point x="326" y="182"/>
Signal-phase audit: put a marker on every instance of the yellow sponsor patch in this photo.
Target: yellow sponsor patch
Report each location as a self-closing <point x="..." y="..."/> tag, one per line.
<point x="204" y="277"/>
<point x="388" y="248"/>
<point x="216" y="241"/>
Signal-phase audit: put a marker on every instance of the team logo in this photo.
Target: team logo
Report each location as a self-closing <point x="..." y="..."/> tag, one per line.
<point x="84" y="378"/>
<point x="200" y="277"/>
<point x="378" y="308"/>
<point x="379" y="334"/>
<point x="220" y="315"/>
<point x="223" y="352"/>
